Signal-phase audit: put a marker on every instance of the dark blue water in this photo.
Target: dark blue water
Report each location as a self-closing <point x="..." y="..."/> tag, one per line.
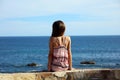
<point x="17" y="52"/>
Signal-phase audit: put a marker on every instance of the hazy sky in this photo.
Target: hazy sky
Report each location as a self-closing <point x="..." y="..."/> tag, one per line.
<point x="81" y="17"/>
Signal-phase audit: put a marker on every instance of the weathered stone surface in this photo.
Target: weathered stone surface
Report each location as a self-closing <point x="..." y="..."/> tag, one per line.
<point x="17" y="76"/>
<point x="81" y="74"/>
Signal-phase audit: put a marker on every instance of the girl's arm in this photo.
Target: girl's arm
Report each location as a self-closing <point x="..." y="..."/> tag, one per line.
<point x="69" y="54"/>
<point x="50" y="55"/>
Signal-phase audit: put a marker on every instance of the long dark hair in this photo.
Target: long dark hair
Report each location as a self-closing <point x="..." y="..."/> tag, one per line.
<point x="58" y="28"/>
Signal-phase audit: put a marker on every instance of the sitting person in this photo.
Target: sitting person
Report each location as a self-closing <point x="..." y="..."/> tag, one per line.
<point x="60" y="57"/>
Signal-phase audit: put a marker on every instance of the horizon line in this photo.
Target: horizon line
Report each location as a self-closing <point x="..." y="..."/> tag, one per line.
<point x="50" y="35"/>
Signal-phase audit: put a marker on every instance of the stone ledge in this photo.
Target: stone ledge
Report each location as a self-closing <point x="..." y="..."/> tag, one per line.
<point x="76" y="74"/>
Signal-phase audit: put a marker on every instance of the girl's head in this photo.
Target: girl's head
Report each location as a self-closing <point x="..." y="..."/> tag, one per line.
<point x="58" y="28"/>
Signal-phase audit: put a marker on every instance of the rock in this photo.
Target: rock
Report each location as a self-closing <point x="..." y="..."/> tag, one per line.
<point x="87" y="62"/>
<point x="32" y="64"/>
<point x="117" y="64"/>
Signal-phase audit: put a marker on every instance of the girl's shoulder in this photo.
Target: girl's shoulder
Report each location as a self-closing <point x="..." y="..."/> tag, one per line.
<point x="68" y="37"/>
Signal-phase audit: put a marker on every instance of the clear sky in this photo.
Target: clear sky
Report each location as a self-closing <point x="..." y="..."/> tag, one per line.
<point x="81" y="17"/>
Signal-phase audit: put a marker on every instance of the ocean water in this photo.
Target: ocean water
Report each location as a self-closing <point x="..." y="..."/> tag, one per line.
<point x="17" y="52"/>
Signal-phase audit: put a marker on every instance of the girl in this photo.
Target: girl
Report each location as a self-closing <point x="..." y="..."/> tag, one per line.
<point x="60" y="57"/>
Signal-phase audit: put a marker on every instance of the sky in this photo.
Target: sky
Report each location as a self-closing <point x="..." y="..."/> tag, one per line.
<point x="81" y="17"/>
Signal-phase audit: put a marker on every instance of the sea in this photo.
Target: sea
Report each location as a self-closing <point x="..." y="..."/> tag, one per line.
<point x="17" y="52"/>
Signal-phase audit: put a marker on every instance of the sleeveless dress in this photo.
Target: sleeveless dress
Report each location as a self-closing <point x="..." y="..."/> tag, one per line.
<point x="60" y="57"/>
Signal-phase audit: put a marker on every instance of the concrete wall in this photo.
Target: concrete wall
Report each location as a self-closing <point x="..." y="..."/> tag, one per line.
<point x="81" y="74"/>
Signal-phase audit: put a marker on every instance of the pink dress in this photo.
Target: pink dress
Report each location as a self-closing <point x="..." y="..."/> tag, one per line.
<point x="60" y="58"/>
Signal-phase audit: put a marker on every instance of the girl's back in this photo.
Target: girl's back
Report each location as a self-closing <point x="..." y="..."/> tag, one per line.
<point x="60" y="53"/>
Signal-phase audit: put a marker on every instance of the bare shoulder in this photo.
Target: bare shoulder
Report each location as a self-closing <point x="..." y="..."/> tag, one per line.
<point x="68" y="37"/>
<point x="52" y="38"/>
